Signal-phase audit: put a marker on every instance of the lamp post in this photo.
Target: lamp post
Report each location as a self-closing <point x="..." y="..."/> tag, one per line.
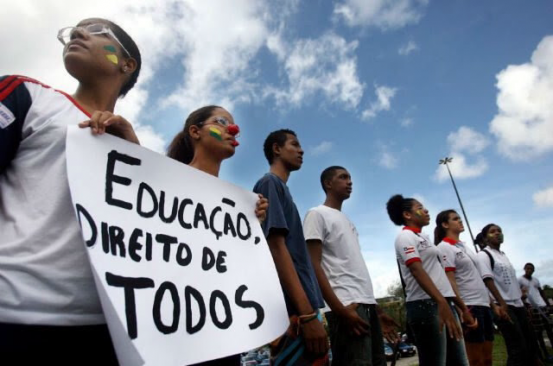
<point x="445" y="162"/>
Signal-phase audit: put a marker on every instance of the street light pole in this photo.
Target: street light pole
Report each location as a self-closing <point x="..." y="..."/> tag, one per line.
<point x="445" y="162"/>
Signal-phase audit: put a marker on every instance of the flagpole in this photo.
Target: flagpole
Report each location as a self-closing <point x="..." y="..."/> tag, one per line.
<point x="445" y="162"/>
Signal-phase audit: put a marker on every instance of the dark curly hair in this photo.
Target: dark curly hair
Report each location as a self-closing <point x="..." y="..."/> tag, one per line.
<point x="396" y="206"/>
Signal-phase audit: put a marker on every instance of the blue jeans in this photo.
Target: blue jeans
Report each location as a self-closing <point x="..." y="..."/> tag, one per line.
<point x="435" y="348"/>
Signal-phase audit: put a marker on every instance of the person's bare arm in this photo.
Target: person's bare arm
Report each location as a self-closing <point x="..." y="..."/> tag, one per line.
<point x="388" y="325"/>
<point x="445" y="315"/>
<point x="542" y="293"/>
<point x="468" y="319"/>
<point x="313" y="332"/>
<point x="356" y="324"/>
<point x="503" y="310"/>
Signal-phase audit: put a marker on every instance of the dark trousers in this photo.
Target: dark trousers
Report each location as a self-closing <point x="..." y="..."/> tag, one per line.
<point x="226" y="361"/>
<point x="55" y="345"/>
<point x="519" y="337"/>
<point x="349" y="349"/>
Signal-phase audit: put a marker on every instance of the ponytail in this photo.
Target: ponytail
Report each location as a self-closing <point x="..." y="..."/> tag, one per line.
<point x="439" y="231"/>
<point x="396" y="206"/>
<point x="182" y="148"/>
<point x="481" y="237"/>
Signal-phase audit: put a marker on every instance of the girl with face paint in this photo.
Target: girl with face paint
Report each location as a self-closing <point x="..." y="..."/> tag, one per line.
<point x="510" y="314"/>
<point x="49" y="306"/>
<point x="431" y="315"/>
<point x="209" y="137"/>
<point x="460" y="264"/>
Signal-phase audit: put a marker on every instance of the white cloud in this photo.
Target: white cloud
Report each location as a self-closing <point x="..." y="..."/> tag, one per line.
<point x="383" y="102"/>
<point x="467" y="140"/>
<point x="461" y="168"/>
<point x="383" y="14"/>
<point x="325" y="65"/>
<point x="48" y="16"/>
<point x="216" y="51"/>
<point x="386" y="158"/>
<point x="407" y="122"/>
<point x="407" y="48"/>
<point x="524" y="121"/>
<point x="544" y="198"/>
<point x="382" y="274"/>
<point x="322" y="148"/>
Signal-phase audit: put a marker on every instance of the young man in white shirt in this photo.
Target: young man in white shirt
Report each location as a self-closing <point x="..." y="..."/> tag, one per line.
<point x="356" y="325"/>
<point x="531" y="287"/>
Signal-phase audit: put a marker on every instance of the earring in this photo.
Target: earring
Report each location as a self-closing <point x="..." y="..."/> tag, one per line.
<point x="125" y="69"/>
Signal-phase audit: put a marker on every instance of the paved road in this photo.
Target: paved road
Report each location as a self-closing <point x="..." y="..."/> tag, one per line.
<point x="407" y="361"/>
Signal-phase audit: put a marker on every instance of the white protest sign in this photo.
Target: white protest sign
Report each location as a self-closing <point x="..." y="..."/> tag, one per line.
<point x="179" y="258"/>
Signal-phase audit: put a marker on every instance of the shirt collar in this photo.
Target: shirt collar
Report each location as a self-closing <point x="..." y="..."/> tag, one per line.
<point x="413" y="229"/>
<point x="450" y="241"/>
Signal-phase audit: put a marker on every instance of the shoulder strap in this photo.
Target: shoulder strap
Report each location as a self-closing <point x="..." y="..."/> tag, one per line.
<point x="401" y="278"/>
<point x="492" y="261"/>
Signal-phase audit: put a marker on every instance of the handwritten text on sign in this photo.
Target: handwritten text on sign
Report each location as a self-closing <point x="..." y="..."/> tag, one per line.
<point x="179" y="254"/>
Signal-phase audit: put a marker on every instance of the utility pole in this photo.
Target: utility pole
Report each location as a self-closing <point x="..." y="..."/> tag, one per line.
<point x="445" y="162"/>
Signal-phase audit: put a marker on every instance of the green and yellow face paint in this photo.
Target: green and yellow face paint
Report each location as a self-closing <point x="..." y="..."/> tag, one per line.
<point x="112" y="57"/>
<point x="214" y="131"/>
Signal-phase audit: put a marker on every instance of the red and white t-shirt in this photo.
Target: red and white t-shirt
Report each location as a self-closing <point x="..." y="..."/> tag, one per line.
<point x="458" y="258"/>
<point x="45" y="272"/>
<point x="414" y="246"/>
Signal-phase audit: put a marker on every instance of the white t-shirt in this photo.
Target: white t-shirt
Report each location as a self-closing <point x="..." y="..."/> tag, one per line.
<point x="414" y="246"/>
<point x="533" y="286"/>
<point x="342" y="261"/>
<point x="45" y="274"/>
<point x="458" y="258"/>
<point x="503" y="274"/>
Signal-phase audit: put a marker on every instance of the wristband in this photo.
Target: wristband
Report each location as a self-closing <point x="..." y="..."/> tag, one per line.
<point x="306" y="319"/>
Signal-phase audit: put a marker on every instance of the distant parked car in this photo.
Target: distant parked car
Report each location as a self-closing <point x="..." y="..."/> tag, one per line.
<point x="406" y="350"/>
<point x="389" y="352"/>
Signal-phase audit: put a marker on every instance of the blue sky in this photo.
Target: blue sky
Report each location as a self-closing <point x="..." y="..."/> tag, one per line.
<point x="384" y="88"/>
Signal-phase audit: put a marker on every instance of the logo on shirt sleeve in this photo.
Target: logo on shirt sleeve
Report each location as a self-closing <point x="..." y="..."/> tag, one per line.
<point x="6" y="116"/>
<point x="408" y="250"/>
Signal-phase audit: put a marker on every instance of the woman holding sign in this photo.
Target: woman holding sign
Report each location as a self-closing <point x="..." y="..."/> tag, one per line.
<point x="208" y="138"/>
<point x="48" y="302"/>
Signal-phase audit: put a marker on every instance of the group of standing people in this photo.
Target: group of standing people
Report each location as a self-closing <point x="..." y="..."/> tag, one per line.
<point x="447" y="283"/>
<point x="49" y="307"/>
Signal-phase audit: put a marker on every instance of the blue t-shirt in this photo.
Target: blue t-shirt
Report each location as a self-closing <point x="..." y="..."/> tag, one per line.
<point x="283" y="215"/>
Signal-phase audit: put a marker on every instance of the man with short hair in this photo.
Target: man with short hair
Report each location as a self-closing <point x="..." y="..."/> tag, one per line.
<point x="535" y="296"/>
<point x="306" y="341"/>
<point x="354" y="319"/>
